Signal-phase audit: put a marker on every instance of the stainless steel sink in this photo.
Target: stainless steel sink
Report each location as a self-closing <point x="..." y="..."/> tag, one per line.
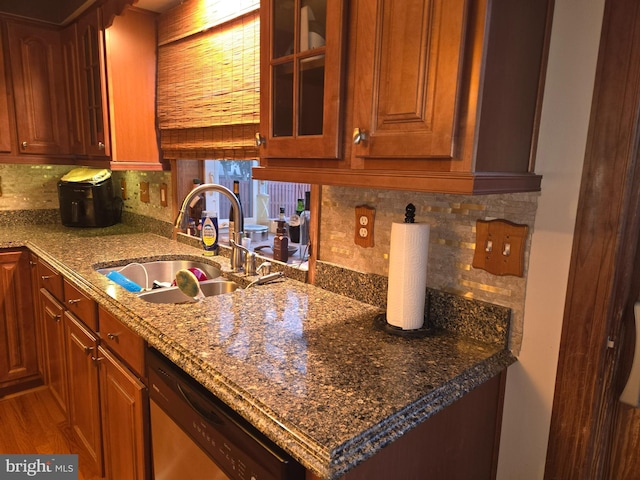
<point x="163" y="271"/>
<point x="174" y="295"/>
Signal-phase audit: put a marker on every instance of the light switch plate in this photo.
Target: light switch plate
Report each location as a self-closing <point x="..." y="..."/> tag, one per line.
<point x="164" y="201"/>
<point x="500" y="247"/>
<point x="144" y="192"/>
<point x="364" y="226"/>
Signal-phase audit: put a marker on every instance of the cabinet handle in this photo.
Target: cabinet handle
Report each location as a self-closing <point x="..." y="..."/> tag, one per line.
<point x="100" y="145"/>
<point x="74" y="301"/>
<point x="260" y="140"/>
<point x="97" y="359"/>
<point x="359" y="136"/>
<point x="112" y="336"/>
<point x="57" y="317"/>
<point x="24" y="145"/>
<point x="32" y="263"/>
<point x="87" y="350"/>
<point x="45" y="277"/>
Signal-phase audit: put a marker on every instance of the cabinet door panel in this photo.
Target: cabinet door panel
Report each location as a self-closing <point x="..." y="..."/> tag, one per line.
<point x="409" y="60"/>
<point x="92" y="80"/>
<point x="55" y="351"/>
<point x="301" y="81"/>
<point x="36" y="67"/>
<point x="84" y="399"/>
<point x="124" y="401"/>
<point x="18" y="351"/>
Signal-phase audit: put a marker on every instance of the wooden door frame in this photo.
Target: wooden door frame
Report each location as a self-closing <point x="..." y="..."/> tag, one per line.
<point x="605" y="244"/>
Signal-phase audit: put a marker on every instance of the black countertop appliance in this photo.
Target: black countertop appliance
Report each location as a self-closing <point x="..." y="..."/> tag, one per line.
<point x="87" y="199"/>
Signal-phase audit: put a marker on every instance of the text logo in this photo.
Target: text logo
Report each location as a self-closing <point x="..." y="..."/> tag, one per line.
<point x="49" y="467"/>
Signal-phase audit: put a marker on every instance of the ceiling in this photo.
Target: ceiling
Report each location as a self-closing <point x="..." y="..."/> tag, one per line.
<point x="60" y="12"/>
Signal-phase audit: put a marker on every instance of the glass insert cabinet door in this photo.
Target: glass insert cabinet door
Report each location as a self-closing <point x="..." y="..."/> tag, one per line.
<point x="301" y="61"/>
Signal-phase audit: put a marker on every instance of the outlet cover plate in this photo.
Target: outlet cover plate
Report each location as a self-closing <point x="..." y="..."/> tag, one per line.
<point x="364" y="226"/>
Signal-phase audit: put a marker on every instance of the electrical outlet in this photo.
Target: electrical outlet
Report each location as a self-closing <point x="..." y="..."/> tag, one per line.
<point x="123" y="189"/>
<point x="364" y="226"/>
<point x="500" y="247"/>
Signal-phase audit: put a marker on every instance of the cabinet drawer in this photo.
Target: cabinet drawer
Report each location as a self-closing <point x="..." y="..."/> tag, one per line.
<point x="122" y="341"/>
<point x="50" y="280"/>
<point x="81" y="306"/>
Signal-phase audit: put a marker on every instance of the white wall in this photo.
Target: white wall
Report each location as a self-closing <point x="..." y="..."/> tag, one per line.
<point x="566" y="108"/>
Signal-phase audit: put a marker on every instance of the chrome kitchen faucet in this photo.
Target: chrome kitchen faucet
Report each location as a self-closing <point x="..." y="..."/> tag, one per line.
<point x="238" y="218"/>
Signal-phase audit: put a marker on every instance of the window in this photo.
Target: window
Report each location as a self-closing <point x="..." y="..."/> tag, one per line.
<point x="279" y="194"/>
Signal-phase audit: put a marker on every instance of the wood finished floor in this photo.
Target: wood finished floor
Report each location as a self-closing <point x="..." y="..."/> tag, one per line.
<point x="31" y="422"/>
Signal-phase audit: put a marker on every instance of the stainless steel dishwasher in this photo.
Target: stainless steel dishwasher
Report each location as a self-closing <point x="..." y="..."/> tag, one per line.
<point x="195" y="435"/>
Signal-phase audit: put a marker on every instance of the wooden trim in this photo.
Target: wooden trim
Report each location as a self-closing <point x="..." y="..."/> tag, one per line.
<point x="605" y="244"/>
<point x="437" y="182"/>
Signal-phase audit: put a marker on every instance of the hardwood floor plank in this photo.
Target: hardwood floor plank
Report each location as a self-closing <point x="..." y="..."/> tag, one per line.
<point x="31" y="422"/>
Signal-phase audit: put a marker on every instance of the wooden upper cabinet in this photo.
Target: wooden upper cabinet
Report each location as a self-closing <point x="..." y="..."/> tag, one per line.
<point x="116" y="77"/>
<point x="6" y="122"/>
<point x="38" y="86"/>
<point x="92" y="84"/>
<point x="301" y="69"/>
<point x="440" y="96"/>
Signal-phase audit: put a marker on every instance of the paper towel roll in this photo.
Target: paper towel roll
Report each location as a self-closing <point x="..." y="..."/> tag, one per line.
<point x="407" y="275"/>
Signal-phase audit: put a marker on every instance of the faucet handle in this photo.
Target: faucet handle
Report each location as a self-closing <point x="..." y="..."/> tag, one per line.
<point x="266" y="266"/>
<point x="250" y="263"/>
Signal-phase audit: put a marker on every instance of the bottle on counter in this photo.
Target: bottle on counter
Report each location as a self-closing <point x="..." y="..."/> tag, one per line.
<point x="209" y="230"/>
<point x="281" y="243"/>
<point x="232" y="226"/>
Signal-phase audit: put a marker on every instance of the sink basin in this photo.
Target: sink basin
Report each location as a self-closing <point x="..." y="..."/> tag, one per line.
<point x="145" y="273"/>
<point x="174" y="295"/>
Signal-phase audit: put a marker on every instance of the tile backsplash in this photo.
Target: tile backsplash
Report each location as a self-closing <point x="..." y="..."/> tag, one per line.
<point x="452" y="219"/>
<point x="34" y="187"/>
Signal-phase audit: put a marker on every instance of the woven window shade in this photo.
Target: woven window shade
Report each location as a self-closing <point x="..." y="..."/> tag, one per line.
<point x="208" y="86"/>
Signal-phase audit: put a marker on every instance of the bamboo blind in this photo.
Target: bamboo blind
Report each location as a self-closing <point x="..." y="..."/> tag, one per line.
<point x="208" y="84"/>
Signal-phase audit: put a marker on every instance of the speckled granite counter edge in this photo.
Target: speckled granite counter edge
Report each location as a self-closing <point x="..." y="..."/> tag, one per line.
<point x="367" y="445"/>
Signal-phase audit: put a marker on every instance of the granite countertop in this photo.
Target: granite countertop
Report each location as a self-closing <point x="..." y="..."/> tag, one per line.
<point x="304" y="365"/>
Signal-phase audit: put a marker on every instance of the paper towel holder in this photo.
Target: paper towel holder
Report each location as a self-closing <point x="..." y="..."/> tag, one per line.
<point x="380" y="323"/>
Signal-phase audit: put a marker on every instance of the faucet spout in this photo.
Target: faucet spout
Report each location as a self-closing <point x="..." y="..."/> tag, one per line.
<point x="238" y="218"/>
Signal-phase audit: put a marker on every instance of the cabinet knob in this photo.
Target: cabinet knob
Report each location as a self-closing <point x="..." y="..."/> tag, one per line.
<point x="24" y="145"/>
<point x="100" y="145"/>
<point x="359" y="136"/>
<point x="260" y="140"/>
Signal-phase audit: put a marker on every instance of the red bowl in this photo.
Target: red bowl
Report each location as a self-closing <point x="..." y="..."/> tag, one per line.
<point x="200" y="275"/>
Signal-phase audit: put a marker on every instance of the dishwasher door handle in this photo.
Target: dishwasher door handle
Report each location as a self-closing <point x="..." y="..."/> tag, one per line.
<point x="631" y="393"/>
<point x="208" y="415"/>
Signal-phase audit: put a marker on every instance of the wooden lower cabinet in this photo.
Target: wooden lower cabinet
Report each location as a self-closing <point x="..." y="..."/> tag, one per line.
<point x="124" y="406"/>
<point x="459" y="443"/>
<point x="18" y="349"/>
<point x="84" y="393"/>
